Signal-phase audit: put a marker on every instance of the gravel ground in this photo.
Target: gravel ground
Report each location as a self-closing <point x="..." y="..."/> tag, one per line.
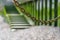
<point x="33" y="33"/>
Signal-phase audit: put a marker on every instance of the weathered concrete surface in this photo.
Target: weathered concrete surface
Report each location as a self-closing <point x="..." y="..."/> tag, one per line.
<point x="33" y="33"/>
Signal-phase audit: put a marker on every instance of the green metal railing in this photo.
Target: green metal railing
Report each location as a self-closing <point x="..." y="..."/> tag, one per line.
<point x="43" y="12"/>
<point x="37" y="10"/>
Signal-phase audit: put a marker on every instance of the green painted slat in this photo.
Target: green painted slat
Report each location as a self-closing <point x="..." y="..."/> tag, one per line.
<point x="35" y="12"/>
<point x="38" y="12"/>
<point x="50" y="11"/>
<point x="42" y="12"/>
<point x="55" y="11"/>
<point x="45" y="11"/>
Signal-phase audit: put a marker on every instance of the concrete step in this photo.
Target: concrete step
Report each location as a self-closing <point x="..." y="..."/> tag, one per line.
<point x="18" y="19"/>
<point x="20" y="24"/>
<point x="20" y="27"/>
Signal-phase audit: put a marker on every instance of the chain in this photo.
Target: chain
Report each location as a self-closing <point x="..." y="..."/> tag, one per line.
<point x="33" y="18"/>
